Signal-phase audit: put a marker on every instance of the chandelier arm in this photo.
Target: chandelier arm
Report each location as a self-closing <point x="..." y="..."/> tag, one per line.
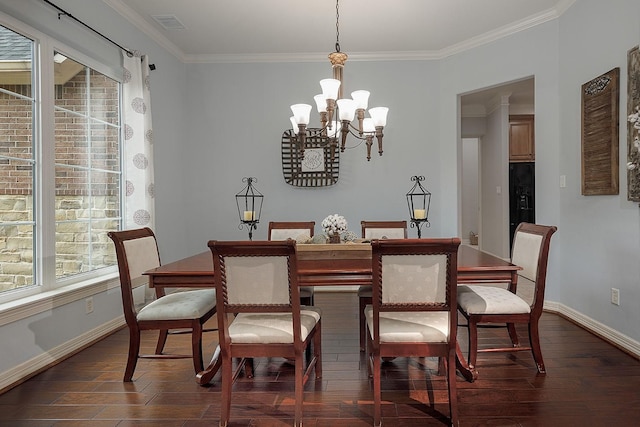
<point x="302" y="134"/>
<point x="350" y="147"/>
<point x="317" y="131"/>
<point x="355" y="132"/>
<point x="369" y="144"/>
<point x="360" y="117"/>
<point x="379" y="136"/>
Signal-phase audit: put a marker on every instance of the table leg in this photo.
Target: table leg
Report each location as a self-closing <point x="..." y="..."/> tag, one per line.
<point x="204" y="377"/>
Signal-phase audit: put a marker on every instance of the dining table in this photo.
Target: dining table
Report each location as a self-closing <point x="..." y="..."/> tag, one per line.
<point x="345" y="264"/>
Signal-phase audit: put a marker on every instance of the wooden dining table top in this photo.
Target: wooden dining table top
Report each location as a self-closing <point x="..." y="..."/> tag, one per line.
<point x="334" y="264"/>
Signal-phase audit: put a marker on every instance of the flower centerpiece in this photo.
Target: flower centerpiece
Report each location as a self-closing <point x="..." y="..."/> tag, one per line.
<point x="333" y="226"/>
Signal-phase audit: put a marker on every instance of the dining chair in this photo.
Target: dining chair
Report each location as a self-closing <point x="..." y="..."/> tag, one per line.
<point x="376" y="230"/>
<point x="257" y="281"/>
<point x="490" y="305"/>
<point x="413" y="313"/>
<point x="137" y="252"/>
<point x="283" y="230"/>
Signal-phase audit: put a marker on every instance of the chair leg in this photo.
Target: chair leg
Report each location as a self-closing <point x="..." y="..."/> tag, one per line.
<point x="453" y="391"/>
<point x="363" y="302"/>
<point x="196" y="346"/>
<point x="162" y="340"/>
<point x="317" y="350"/>
<point x="473" y="342"/>
<point x="377" y="397"/>
<point x="134" y="352"/>
<point x="299" y="390"/>
<point x="513" y="334"/>
<point x="442" y="366"/>
<point x="248" y="367"/>
<point x="534" y="340"/>
<point x="368" y="352"/>
<point x="227" y="383"/>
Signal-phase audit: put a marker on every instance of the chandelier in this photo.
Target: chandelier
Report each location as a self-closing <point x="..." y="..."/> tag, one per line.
<point x="337" y="113"/>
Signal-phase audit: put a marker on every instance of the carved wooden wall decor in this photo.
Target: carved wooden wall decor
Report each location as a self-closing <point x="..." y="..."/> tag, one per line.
<point x="633" y="101"/>
<point x="600" y="134"/>
<point x="319" y="167"/>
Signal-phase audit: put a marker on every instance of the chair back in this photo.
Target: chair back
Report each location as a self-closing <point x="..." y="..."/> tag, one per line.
<point x="136" y="252"/>
<point x="283" y="230"/>
<point x="255" y="277"/>
<point x="531" y="252"/>
<point x="384" y="229"/>
<point x="415" y="275"/>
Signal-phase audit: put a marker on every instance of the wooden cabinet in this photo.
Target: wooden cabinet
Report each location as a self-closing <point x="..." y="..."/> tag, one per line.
<point x="521" y="138"/>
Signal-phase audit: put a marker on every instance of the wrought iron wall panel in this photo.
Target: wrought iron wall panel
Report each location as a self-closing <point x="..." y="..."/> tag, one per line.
<point x="318" y="167"/>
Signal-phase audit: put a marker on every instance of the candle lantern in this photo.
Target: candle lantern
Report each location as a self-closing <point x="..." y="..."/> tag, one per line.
<point x="249" y="202"/>
<point x="418" y="201"/>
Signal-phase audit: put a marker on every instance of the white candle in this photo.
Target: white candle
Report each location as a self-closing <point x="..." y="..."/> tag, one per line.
<point x="249" y="215"/>
<point x="419" y="213"/>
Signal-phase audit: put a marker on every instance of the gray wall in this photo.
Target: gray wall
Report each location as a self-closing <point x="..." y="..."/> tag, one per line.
<point x="599" y="245"/>
<point x="216" y="123"/>
<point x="227" y="144"/>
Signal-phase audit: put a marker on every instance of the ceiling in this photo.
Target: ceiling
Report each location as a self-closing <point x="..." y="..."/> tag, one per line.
<point x="218" y="29"/>
<point x="297" y="30"/>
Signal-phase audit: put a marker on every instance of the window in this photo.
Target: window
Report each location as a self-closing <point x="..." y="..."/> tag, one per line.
<point x="87" y="171"/>
<point x="84" y="167"/>
<point x="17" y="161"/>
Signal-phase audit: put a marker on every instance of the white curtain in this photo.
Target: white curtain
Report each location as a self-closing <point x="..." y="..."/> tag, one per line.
<point x="138" y="143"/>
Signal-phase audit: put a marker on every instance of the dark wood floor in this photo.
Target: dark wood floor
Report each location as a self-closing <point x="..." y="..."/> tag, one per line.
<point x="589" y="383"/>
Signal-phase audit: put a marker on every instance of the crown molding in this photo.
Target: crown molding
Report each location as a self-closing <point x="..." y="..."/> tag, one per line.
<point x="499" y="33"/>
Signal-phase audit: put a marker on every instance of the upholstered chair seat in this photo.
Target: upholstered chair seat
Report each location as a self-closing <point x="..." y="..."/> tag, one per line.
<point x="410" y="326"/>
<point x="181" y="305"/>
<point x="271" y="328"/>
<point x="482" y="299"/>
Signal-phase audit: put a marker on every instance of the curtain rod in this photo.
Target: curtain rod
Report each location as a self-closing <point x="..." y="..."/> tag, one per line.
<point x="62" y="12"/>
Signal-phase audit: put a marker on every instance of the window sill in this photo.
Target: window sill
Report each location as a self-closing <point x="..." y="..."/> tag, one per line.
<point x="45" y="301"/>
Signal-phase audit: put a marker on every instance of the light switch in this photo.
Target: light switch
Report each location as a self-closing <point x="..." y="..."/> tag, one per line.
<point x="563" y="181"/>
<point x="498" y="190"/>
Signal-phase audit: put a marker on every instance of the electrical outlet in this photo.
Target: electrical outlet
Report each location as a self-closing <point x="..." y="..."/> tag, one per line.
<point x="88" y="305"/>
<point x="615" y="296"/>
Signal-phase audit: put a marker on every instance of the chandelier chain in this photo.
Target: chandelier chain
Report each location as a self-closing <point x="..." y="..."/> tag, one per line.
<point x="337" y="27"/>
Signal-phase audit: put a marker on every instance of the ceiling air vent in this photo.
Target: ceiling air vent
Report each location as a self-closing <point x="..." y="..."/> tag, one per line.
<point x="169" y="22"/>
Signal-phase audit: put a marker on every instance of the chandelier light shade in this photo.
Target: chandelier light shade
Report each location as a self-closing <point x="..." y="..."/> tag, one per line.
<point x="249" y="202"/>
<point x="419" y="201"/>
<point x="340" y="117"/>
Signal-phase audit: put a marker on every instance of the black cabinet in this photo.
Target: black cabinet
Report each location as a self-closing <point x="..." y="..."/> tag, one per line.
<point x="521" y="195"/>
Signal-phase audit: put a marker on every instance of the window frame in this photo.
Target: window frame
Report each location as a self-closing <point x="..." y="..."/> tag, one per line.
<point x="46" y="287"/>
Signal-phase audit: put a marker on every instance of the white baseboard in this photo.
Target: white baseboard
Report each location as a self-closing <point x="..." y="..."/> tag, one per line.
<point x="27" y="369"/>
<point x="622" y="341"/>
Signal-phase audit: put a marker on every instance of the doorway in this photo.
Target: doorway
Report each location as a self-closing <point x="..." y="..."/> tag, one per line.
<point x="484" y="119"/>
